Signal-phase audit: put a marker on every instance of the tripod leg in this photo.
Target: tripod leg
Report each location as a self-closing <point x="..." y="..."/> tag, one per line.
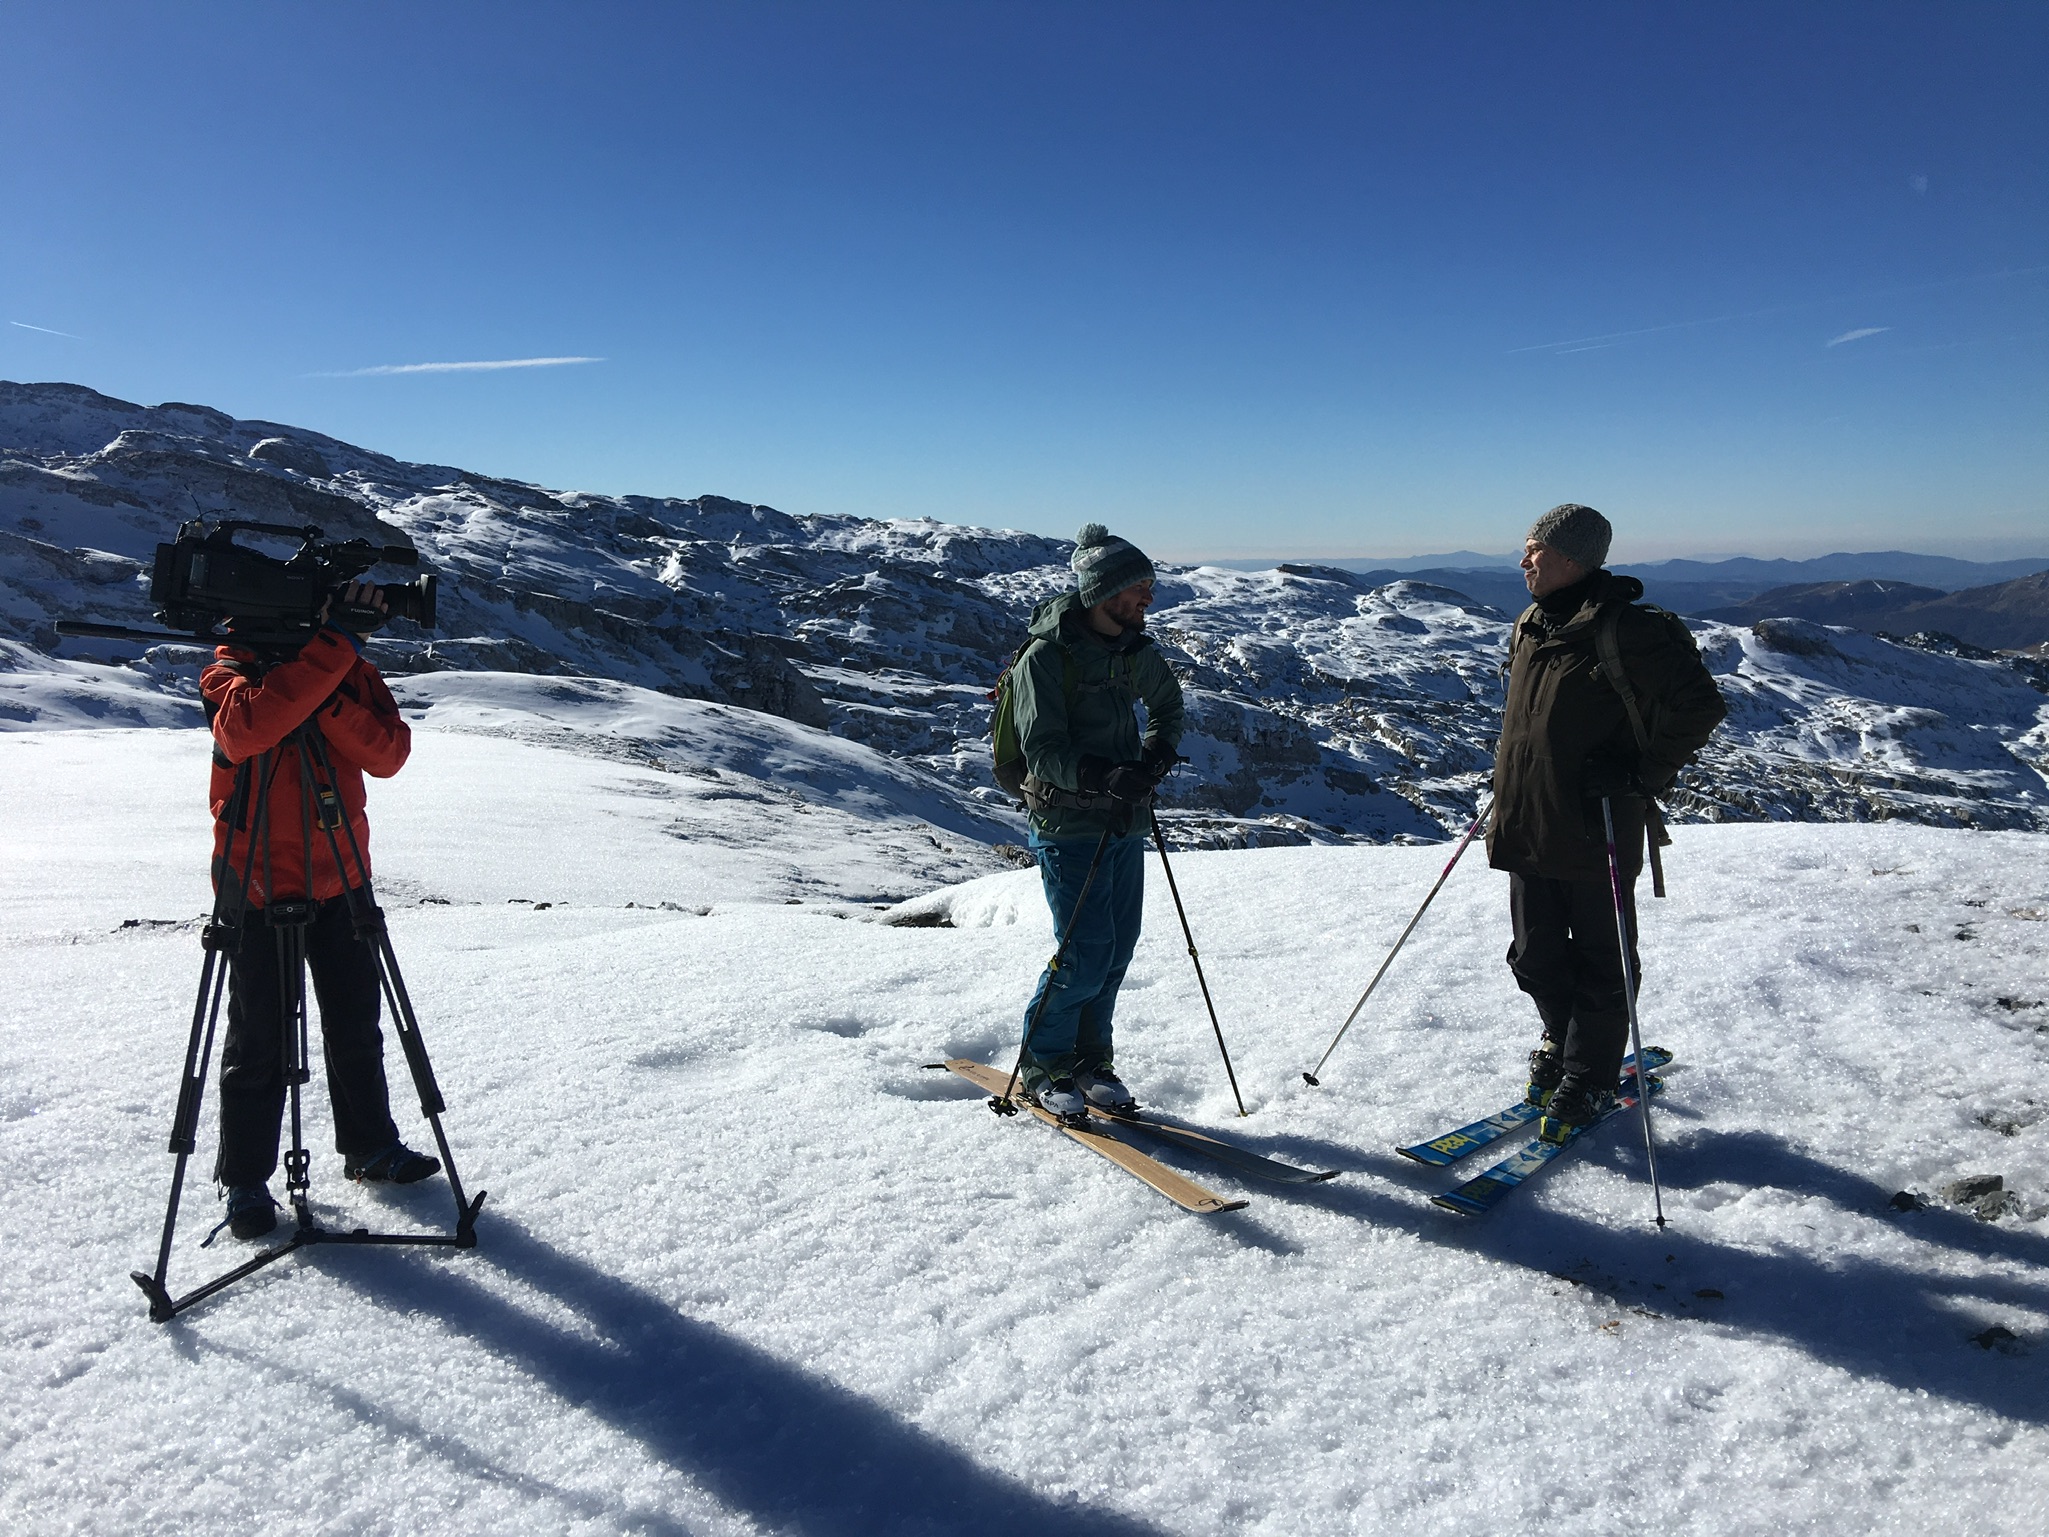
<point x="372" y="931"/>
<point x="288" y="933"/>
<point x="206" y="1010"/>
<point x="407" y="1024"/>
<point x="222" y="934"/>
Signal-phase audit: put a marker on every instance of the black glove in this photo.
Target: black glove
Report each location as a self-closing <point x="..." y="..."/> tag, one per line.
<point x="1130" y="782"/>
<point x="1159" y="761"/>
<point x="1609" y="779"/>
<point x="1092" y="775"/>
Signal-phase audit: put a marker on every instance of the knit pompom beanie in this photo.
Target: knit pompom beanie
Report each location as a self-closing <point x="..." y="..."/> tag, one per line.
<point x="1105" y="565"/>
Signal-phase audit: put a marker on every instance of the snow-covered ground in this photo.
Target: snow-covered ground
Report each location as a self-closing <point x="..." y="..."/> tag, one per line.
<point x="747" y="1266"/>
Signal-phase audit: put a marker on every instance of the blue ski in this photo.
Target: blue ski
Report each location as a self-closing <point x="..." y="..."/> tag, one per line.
<point x="1448" y="1149"/>
<point x="1483" y="1192"/>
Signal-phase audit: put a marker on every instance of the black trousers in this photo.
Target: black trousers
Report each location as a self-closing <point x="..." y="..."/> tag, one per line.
<point x="1565" y="956"/>
<point x="345" y="983"/>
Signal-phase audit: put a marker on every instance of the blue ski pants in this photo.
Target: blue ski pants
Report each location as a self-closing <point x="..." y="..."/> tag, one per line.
<point x="1080" y="998"/>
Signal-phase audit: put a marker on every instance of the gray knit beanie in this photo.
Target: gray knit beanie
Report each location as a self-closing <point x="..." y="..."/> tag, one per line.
<point x="1105" y="565"/>
<point x="1578" y="533"/>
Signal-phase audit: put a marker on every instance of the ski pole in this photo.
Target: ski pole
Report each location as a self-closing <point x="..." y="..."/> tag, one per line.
<point x="1160" y="842"/>
<point x="1003" y="1104"/>
<point x="1472" y="828"/>
<point x="1643" y="1082"/>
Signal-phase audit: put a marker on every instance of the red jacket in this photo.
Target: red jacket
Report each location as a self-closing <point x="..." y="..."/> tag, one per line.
<point x="252" y="713"/>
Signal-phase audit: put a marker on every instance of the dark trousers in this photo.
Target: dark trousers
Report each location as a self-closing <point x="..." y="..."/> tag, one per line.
<point x="1565" y="956"/>
<point x="345" y="982"/>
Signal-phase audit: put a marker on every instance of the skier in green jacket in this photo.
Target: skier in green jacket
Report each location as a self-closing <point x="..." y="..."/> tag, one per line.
<point x="1089" y="781"/>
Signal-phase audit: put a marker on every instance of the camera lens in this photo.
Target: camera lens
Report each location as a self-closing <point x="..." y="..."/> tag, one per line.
<point x="414" y="601"/>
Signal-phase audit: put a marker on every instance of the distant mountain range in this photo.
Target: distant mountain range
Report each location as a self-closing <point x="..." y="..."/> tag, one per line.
<point x="1988" y="603"/>
<point x="1941" y="572"/>
<point x="2005" y="616"/>
<point x="1323" y="703"/>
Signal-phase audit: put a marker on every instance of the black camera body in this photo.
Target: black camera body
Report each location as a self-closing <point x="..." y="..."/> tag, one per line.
<point x="208" y="586"/>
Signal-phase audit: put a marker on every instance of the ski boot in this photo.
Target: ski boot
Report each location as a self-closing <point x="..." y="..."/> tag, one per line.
<point x="1547" y="1071"/>
<point x="1575" y="1105"/>
<point x="1102" y="1088"/>
<point x="1063" y="1101"/>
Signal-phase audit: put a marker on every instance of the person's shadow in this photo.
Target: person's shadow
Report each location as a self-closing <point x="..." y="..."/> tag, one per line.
<point x="791" y="1450"/>
<point x="1914" y="1324"/>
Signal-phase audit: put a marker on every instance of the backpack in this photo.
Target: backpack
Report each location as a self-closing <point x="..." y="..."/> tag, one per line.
<point x="1005" y="749"/>
<point x="1608" y="648"/>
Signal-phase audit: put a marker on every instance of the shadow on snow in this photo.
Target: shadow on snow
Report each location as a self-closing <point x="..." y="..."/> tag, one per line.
<point x="1911" y="1328"/>
<point x="768" y="1440"/>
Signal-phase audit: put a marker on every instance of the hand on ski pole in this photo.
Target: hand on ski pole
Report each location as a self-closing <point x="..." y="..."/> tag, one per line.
<point x="1603" y="779"/>
<point x="1129" y="781"/>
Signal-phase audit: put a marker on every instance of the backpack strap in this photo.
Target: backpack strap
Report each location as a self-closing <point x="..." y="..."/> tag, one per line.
<point x="1070" y="680"/>
<point x="1514" y="633"/>
<point x="1608" y="645"/>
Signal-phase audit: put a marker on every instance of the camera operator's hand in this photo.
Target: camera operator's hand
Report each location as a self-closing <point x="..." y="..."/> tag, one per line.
<point x="359" y="606"/>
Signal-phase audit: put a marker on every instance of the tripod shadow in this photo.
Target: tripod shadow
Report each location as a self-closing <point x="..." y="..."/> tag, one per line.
<point x="452" y="1450"/>
<point x="788" y="1449"/>
<point x="1910" y="1327"/>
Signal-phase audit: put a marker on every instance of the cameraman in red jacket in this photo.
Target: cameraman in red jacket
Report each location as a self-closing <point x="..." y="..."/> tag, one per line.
<point x="252" y="711"/>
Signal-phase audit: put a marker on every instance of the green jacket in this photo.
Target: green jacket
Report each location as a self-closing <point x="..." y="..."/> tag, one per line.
<point x="1561" y="711"/>
<point x="1106" y="678"/>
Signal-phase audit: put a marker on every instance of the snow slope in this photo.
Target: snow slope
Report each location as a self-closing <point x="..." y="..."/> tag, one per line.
<point x="747" y="1267"/>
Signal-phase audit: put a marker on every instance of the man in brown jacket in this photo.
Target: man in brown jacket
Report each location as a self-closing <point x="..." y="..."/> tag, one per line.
<point x="1569" y="740"/>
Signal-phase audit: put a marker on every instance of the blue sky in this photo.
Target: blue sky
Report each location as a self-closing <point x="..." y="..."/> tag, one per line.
<point x="1239" y="279"/>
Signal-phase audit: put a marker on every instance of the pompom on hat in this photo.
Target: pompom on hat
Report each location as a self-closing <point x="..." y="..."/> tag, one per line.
<point x="1578" y="533"/>
<point x="1105" y="565"/>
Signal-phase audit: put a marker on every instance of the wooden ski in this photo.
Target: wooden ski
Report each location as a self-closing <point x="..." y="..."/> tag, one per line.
<point x="1176" y="1187"/>
<point x="1229" y="1154"/>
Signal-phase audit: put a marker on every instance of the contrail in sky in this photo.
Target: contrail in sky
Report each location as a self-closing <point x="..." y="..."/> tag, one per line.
<point x="45" y="330"/>
<point x="454" y="368"/>
<point x="1589" y="343"/>
<point x="1856" y="336"/>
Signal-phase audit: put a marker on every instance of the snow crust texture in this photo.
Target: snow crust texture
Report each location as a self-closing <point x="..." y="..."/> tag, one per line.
<point x="1322" y="709"/>
<point x="748" y="1267"/>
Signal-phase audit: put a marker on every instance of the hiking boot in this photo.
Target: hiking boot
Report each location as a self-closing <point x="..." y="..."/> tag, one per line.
<point x="251" y="1211"/>
<point x="396" y="1165"/>
<point x="1547" y="1071"/>
<point x="1101" y="1087"/>
<point x="1575" y="1105"/>
<point x="1061" y="1098"/>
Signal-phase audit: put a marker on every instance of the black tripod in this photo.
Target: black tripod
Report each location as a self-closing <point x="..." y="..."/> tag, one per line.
<point x="304" y="752"/>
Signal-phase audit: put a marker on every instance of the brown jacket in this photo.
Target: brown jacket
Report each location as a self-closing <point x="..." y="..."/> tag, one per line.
<point x="1561" y="711"/>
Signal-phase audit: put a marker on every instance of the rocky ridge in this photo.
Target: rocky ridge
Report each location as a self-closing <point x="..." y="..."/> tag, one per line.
<point x="1323" y="707"/>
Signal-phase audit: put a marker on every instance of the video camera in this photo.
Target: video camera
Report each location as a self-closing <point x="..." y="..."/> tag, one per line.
<point x="204" y="579"/>
<point x="211" y="589"/>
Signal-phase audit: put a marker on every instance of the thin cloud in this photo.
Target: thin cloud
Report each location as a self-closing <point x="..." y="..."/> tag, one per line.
<point x="45" y="330"/>
<point x="1612" y="338"/>
<point x="488" y="366"/>
<point x="1857" y="335"/>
